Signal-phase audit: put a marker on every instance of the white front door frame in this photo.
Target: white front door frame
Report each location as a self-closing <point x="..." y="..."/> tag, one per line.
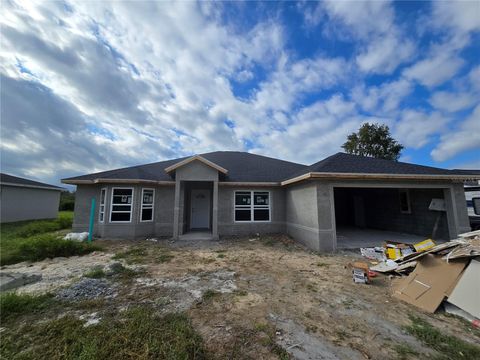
<point x="200" y="203"/>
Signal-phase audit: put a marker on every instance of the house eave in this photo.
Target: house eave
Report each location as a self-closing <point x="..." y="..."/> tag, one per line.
<point x="199" y="158"/>
<point x="33" y="186"/>
<point x="379" y="176"/>
<point x="116" y="181"/>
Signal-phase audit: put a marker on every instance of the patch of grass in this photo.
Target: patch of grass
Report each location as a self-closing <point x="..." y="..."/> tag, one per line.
<point x="13" y="304"/>
<point x="44" y="246"/>
<point x="322" y="264"/>
<point x="120" y="270"/>
<point x="138" y="333"/>
<point x="134" y="255"/>
<point x="95" y="273"/>
<point x="209" y="295"/>
<point x="163" y="258"/>
<point x="29" y="228"/>
<point x="405" y="351"/>
<point x="221" y="256"/>
<point x="270" y="340"/>
<point x="449" y="347"/>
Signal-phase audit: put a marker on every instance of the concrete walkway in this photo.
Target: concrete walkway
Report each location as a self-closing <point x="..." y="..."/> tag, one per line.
<point x="354" y="238"/>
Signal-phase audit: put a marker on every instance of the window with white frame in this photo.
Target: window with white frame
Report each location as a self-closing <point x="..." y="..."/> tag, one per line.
<point x="252" y="206"/>
<point x="405" y="207"/>
<point x="101" y="207"/>
<point x="121" y="207"/>
<point x="148" y="199"/>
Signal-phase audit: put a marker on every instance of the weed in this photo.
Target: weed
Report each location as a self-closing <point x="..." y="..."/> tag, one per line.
<point x="404" y="351"/>
<point x="263" y="327"/>
<point x="450" y="347"/>
<point x="163" y="258"/>
<point x="137" y="333"/>
<point x="209" y="295"/>
<point x="322" y="264"/>
<point x="13" y="304"/>
<point x="270" y="340"/>
<point x="121" y="271"/>
<point x="241" y="292"/>
<point x="221" y="256"/>
<point x="95" y="273"/>
<point x="132" y="256"/>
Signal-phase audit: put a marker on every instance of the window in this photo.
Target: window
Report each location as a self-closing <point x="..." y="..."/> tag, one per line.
<point x="405" y="202"/>
<point x="121" y="209"/>
<point x="146" y="213"/>
<point x="252" y="206"/>
<point x="101" y="209"/>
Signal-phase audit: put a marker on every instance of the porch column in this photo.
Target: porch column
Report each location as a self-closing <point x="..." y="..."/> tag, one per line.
<point x="176" y="209"/>
<point x="215" y="211"/>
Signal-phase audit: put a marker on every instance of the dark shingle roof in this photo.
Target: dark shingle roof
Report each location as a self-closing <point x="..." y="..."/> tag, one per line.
<point x="467" y="171"/>
<point x="348" y="163"/>
<point x="15" y="180"/>
<point x="241" y="166"/>
<point x="247" y="167"/>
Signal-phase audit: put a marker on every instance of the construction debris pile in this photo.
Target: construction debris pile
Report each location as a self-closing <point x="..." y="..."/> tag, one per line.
<point x="427" y="275"/>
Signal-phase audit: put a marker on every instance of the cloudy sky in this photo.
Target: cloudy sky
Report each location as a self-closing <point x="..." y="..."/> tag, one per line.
<point x="89" y="86"/>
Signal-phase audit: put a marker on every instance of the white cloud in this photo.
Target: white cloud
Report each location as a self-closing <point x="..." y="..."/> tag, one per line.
<point x="384" y="54"/>
<point x="435" y="70"/>
<point x="453" y="101"/>
<point x="415" y="128"/>
<point x="464" y="137"/>
<point x="460" y="15"/>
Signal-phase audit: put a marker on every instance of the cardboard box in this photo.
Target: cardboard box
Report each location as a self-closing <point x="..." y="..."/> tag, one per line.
<point x="360" y="272"/>
<point x="424" y="245"/>
<point x="466" y="294"/>
<point x="430" y="282"/>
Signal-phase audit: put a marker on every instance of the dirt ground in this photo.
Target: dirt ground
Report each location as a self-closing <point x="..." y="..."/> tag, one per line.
<point x="260" y="298"/>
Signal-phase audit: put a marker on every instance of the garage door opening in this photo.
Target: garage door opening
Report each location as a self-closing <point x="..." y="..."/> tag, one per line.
<point x="370" y="216"/>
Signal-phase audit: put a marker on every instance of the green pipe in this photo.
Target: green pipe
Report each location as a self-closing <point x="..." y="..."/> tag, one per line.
<point x="92" y="218"/>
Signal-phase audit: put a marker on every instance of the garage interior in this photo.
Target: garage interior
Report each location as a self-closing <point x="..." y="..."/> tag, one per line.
<point x="370" y="216"/>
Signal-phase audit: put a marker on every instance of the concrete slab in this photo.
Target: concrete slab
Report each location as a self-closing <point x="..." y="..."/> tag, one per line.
<point x="9" y="280"/>
<point x="354" y="238"/>
<point x="196" y="235"/>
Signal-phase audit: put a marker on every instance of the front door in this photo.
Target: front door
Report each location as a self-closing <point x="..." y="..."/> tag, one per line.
<point x="200" y="209"/>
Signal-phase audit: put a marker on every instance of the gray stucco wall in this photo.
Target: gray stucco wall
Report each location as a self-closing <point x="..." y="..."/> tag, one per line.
<point x="163" y="212"/>
<point x="302" y="214"/>
<point x="196" y="171"/>
<point x="22" y="203"/>
<point x="226" y="221"/>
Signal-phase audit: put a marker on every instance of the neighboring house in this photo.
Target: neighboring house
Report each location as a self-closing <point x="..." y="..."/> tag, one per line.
<point x="23" y="199"/>
<point x="237" y="193"/>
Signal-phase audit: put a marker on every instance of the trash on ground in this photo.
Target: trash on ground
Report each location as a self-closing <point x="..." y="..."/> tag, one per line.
<point x="466" y="294"/>
<point x="76" y="236"/>
<point x="430" y="282"/>
<point x="375" y="253"/>
<point x="360" y="272"/>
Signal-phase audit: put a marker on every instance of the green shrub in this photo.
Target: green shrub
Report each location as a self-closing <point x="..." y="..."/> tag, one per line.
<point x="44" y="246"/>
<point x="138" y="333"/>
<point x="17" y="304"/>
<point x="95" y="273"/>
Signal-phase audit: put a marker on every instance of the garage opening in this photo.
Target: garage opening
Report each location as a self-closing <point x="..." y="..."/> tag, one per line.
<point x="370" y="216"/>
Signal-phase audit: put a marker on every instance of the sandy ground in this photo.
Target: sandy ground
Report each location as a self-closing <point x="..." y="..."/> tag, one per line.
<point x="266" y="291"/>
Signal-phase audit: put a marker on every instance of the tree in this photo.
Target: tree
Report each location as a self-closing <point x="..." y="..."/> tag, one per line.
<point x="373" y="140"/>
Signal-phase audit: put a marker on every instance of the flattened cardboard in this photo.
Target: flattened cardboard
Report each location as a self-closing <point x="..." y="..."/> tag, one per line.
<point x="429" y="283"/>
<point x="466" y="294"/>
